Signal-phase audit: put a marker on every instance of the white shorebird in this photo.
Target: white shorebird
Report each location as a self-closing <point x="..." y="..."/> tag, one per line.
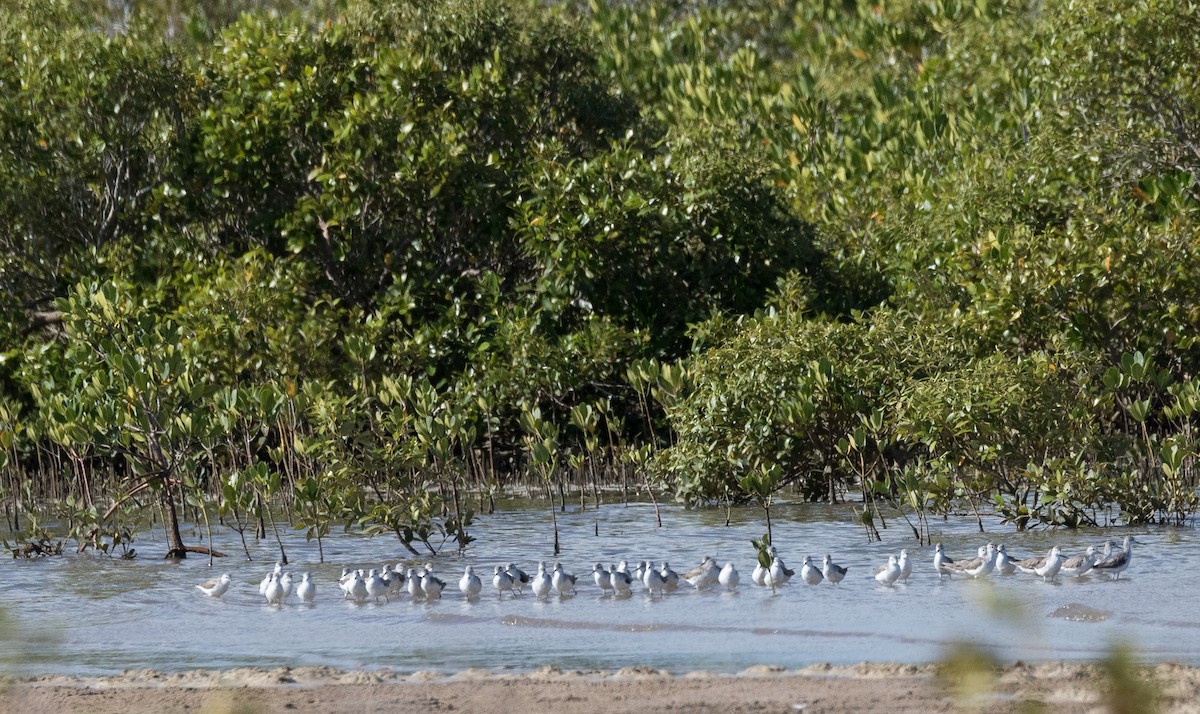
<point x="1030" y="565"/>
<point x="469" y="584"/>
<point x="905" y="565"/>
<point x="778" y="575"/>
<point x="810" y="573"/>
<point x="344" y="582"/>
<point x="215" y="587"/>
<point x="1080" y="564"/>
<point x="787" y="572"/>
<point x="391" y="580"/>
<point x="413" y="578"/>
<point x="307" y="589"/>
<point x="704" y="575"/>
<point x="985" y="568"/>
<point x="376" y="587"/>
<point x="1117" y="563"/>
<point x="1004" y="565"/>
<point x="562" y="581"/>
<point x="649" y="567"/>
<point x="760" y="573"/>
<point x="1049" y="569"/>
<point x="887" y="574"/>
<point x="262" y="585"/>
<point x="758" y="576"/>
<point x="385" y="574"/>
<point x="833" y="572"/>
<point x="601" y="577"/>
<point x="502" y="581"/>
<point x="356" y="588"/>
<point x="639" y="573"/>
<point x="286" y="583"/>
<point x="728" y="577"/>
<point x="541" y="583"/>
<point x="274" y="590"/>
<point x="941" y="563"/>
<point x="981" y="566"/>
<point x="653" y="580"/>
<point x="670" y="577"/>
<point x="620" y="579"/>
<point x="519" y="577"/>
<point x="431" y="585"/>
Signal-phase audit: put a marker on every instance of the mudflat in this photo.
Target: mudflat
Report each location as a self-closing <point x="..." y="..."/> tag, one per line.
<point x="1058" y="687"/>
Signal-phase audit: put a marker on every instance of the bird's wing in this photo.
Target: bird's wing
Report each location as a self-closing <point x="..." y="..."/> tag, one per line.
<point x="971" y="564"/>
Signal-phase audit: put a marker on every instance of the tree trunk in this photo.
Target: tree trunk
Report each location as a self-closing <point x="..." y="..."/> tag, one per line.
<point x="554" y="518"/>
<point x="39" y="319"/>
<point x="241" y="529"/>
<point x="460" y="532"/>
<point x="176" y="548"/>
<point x="275" y="529"/>
<point x="657" y="513"/>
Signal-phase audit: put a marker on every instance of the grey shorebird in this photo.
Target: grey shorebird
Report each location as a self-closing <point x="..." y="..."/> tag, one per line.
<point x="942" y="563"/>
<point x="833" y="572"/>
<point x="1049" y="569"/>
<point x="1117" y="563"/>
<point x="307" y="589"/>
<point x="1080" y="564"/>
<point x="215" y="587"/>
<point x="810" y="573"/>
<point x="887" y="574"/>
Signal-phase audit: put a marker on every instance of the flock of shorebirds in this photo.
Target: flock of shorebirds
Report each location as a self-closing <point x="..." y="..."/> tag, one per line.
<point x="388" y="582"/>
<point x="995" y="559"/>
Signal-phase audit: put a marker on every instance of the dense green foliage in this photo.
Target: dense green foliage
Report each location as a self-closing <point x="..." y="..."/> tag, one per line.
<point x="378" y="260"/>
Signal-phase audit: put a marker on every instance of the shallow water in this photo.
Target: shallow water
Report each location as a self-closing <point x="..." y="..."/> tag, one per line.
<point x="95" y="616"/>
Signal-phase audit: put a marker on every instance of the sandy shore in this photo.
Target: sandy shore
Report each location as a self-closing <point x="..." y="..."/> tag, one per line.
<point x="821" y="688"/>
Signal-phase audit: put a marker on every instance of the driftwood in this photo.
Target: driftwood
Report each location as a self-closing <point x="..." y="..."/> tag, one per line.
<point x="194" y="549"/>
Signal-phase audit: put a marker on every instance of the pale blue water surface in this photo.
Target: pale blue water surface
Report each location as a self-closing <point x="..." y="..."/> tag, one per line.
<point x="89" y="615"/>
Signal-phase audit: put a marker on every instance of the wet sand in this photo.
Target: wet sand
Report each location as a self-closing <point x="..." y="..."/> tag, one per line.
<point x="867" y="687"/>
